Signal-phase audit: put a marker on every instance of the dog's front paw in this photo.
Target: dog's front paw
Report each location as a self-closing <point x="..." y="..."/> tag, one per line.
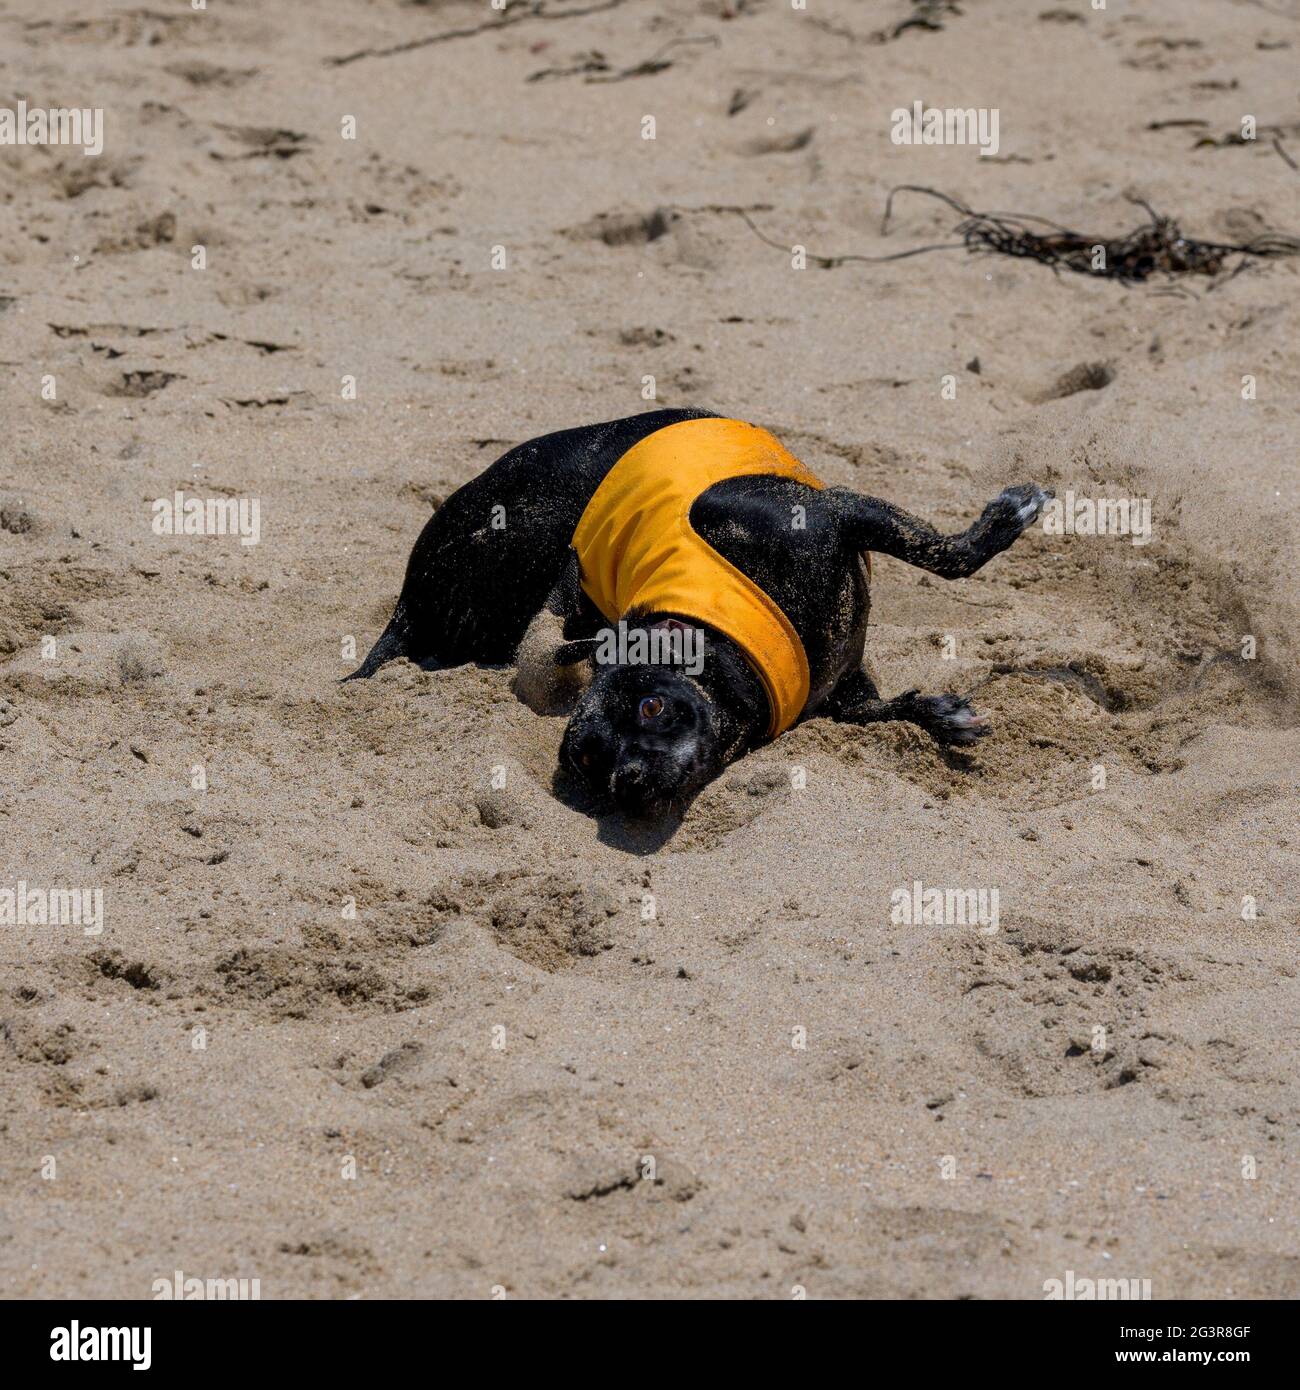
<point x="948" y="719"/>
<point x="1010" y="512"/>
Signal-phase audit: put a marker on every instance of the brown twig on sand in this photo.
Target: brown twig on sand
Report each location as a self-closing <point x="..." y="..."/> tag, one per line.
<point x="516" y="12"/>
<point x="1281" y="149"/>
<point x="830" y="262"/>
<point x="593" y="67"/>
<point x="926" y="14"/>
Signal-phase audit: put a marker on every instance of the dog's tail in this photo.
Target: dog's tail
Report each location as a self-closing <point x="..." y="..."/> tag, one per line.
<point x="393" y="642"/>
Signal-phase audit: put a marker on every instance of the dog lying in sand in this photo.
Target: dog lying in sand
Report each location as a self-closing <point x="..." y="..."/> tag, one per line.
<point x="684" y="585"/>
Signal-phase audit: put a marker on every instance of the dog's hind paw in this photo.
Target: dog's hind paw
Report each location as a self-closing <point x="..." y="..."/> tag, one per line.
<point x="948" y="719"/>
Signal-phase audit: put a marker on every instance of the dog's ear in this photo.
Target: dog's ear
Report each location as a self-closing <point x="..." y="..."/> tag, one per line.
<point x="568" y="653"/>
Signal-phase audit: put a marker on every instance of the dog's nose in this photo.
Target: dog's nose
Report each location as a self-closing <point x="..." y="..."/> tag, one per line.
<point x="629" y="775"/>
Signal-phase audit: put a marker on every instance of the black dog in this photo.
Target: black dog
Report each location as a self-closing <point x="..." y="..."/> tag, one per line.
<point x="494" y="577"/>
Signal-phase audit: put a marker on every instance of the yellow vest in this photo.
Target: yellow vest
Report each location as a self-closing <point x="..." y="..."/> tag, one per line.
<point x="637" y="549"/>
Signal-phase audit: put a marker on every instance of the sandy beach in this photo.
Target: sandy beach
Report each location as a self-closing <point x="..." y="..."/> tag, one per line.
<point x="371" y="1012"/>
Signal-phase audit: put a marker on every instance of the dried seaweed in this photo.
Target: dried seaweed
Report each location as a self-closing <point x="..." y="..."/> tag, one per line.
<point x="823" y="262"/>
<point x="1157" y="247"/>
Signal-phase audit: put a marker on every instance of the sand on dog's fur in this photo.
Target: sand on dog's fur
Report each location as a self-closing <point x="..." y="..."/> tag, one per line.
<point x="540" y="1087"/>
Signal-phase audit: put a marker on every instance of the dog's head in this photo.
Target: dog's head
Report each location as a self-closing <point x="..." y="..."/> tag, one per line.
<point x="643" y="737"/>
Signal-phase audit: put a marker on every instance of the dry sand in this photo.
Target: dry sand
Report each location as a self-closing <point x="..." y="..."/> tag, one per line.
<point x="488" y="916"/>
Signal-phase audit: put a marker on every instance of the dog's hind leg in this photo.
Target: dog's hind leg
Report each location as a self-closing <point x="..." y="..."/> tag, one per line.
<point x="948" y="719"/>
<point x="873" y="525"/>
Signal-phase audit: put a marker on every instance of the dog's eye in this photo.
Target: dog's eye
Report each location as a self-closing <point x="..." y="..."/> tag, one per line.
<point x="651" y="707"/>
